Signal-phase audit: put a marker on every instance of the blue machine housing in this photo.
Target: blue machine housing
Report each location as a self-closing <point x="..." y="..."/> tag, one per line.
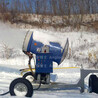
<point x="58" y="53"/>
<point x="44" y="63"/>
<point x="54" y="48"/>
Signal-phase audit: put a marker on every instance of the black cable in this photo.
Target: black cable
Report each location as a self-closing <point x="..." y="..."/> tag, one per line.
<point x="4" y="93"/>
<point x="38" y="87"/>
<point x="40" y="81"/>
<point x="9" y="92"/>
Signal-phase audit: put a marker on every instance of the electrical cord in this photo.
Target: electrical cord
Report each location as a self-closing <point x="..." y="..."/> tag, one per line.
<point x="38" y="87"/>
<point x="31" y="71"/>
<point x="9" y="92"/>
<point x="4" y="93"/>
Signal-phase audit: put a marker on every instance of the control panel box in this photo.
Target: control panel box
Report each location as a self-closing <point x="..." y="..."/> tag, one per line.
<point x="44" y="63"/>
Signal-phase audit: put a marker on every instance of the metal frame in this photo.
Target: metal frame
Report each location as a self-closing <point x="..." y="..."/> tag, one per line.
<point x="80" y="84"/>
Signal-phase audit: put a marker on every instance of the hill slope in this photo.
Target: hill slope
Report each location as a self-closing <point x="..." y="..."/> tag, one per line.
<point x="81" y="43"/>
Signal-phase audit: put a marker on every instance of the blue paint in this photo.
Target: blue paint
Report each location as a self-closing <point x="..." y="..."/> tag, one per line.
<point x="33" y="48"/>
<point x="54" y="48"/>
<point x="44" y="63"/>
<point x="55" y="44"/>
<point x="56" y="53"/>
<point x="44" y="60"/>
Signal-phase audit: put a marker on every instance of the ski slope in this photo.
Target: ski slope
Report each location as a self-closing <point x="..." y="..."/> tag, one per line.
<point x="69" y="76"/>
<point x="9" y="68"/>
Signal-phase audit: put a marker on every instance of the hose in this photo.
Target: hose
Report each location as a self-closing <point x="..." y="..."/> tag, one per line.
<point x="4" y="93"/>
<point x="9" y="92"/>
<point x="38" y="86"/>
<point x="40" y="81"/>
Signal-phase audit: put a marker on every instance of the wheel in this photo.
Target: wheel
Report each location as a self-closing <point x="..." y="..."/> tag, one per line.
<point x="32" y="78"/>
<point x="21" y="87"/>
<point x="29" y="76"/>
<point x="92" y="83"/>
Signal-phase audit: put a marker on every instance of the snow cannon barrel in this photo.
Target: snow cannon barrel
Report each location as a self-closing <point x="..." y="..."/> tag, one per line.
<point x="58" y="54"/>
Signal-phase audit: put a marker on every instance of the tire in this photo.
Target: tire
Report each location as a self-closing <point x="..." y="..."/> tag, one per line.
<point x="92" y="83"/>
<point x="27" y="74"/>
<point x="33" y="80"/>
<point x="21" y="87"/>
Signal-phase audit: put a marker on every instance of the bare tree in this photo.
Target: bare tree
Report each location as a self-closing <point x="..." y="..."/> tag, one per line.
<point x="54" y="7"/>
<point x="7" y="52"/>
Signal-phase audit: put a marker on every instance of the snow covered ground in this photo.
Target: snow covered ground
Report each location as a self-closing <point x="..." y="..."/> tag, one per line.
<point x="83" y="50"/>
<point x="68" y="76"/>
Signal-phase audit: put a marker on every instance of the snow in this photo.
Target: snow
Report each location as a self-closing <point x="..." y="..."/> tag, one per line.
<point x="38" y="35"/>
<point x="11" y="36"/>
<point x="79" y="42"/>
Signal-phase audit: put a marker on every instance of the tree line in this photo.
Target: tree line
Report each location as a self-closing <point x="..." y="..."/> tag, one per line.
<point x="50" y="7"/>
<point x="72" y="12"/>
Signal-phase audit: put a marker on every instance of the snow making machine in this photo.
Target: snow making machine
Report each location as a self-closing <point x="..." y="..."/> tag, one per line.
<point x="39" y="76"/>
<point x="45" y="56"/>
